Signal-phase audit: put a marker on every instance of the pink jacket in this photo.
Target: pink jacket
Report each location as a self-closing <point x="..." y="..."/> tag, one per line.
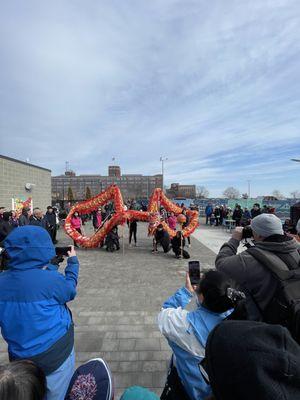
<point x="99" y="219"/>
<point x="172" y="221"/>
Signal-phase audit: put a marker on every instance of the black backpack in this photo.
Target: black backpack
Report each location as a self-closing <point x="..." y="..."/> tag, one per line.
<point x="284" y="308"/>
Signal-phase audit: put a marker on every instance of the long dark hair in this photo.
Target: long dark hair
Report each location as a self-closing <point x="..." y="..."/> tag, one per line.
<point x="218" y="291"/>
<point x="22" y="380"/>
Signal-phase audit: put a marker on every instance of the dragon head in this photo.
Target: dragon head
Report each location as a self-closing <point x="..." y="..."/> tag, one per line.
<point x="154" y="221"/>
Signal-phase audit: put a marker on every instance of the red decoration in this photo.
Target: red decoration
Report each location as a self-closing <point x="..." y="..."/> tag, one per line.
<point x="120" y="216"/>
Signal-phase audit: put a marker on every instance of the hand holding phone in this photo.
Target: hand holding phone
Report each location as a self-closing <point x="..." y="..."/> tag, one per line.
<point x="72" y="252"/>
<point x="188" y="284"/>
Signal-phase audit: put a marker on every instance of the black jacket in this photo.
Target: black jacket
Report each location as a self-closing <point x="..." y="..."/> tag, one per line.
<point x="5" y="228"/>
<point x="38" y="222"/>
<point x="237" y="214"/>
<point x="247" y="360"/>
<point x="251" y="275"/>
<point x="162" y="236"/>
<point x="177" y="243"/>
<point x="255" y="213"/>
<point x="50" y="219"/>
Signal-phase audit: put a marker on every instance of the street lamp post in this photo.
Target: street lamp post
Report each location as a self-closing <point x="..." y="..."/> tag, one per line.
<point x="162" y="160"/>
<point x="249" y="186"/>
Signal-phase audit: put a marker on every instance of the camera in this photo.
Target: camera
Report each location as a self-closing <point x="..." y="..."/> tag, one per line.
<point x="247" y="232"/>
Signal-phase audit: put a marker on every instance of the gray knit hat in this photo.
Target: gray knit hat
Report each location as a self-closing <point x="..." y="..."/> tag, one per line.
<point x="266" y="225"/>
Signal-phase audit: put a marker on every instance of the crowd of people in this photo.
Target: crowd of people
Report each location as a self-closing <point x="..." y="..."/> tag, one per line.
<point x="36" y="217"/>
<point x="240" y="341"/>
<point x="220" y="214"/>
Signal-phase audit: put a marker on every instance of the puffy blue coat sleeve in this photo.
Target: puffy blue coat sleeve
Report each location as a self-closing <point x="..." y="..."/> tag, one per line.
<point x="180" y="299"/>
<point x="65" y="288"/>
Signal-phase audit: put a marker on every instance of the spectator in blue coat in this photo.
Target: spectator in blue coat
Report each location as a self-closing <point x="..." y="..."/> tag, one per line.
<point x="34" y="318"/>
<point x="187" y="332"/>
<point x="208" y="212"/>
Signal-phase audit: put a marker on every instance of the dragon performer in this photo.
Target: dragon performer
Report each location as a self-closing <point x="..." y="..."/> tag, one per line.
<point x="121" y="215"/>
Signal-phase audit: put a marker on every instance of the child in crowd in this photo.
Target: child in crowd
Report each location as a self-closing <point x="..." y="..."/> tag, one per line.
<point x="172" y="221"/>
<point x="76" y="223"/>
<point x="187" y="332"/>
<point x="97" y="219"/>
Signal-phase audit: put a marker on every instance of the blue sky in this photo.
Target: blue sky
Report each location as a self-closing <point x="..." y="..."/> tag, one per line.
<point x="212" y="85"/>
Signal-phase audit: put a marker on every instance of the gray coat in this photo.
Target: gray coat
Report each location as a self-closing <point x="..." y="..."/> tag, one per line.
<point x="252" y="276"/>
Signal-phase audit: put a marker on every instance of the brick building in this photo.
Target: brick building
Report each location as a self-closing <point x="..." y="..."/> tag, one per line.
<point x="131" y="185"/>
<point x="21" y="180"/>
<point x="177" y="190"/>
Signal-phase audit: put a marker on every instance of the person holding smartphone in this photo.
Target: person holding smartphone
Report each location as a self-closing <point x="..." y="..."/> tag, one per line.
<point x="187" y="332"/>
<point x="34" y="318"/>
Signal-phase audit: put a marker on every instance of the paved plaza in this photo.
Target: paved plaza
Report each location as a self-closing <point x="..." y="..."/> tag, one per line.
<point x="214" y="236"/>
<point x="115" y="311"/>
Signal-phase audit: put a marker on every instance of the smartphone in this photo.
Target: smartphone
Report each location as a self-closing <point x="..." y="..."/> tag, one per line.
<point x="194" y="272"/>
<point x="62" y="251"/>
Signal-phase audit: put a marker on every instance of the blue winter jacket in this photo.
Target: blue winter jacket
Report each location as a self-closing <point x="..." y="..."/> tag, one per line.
<point x="187" y="333"/>
<point x="33" y="311"/>
<point x="208" y="210"/>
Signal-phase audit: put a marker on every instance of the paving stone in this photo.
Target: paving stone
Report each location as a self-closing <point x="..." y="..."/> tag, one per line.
<point x="147" y="344"/>
<point x="127" y="344"/>
<point x="155" y="366"/>
<point x="154" y="355"/>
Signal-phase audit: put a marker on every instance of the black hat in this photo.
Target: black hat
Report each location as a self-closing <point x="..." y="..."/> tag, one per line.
<point x="251" y="360"/>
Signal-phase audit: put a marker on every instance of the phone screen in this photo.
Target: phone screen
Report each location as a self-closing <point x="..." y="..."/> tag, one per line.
<point x="194" y="272"/>
<point x="62" y="251"/>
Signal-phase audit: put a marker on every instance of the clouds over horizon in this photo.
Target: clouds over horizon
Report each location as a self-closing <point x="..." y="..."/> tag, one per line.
<point x="213" y="87"/>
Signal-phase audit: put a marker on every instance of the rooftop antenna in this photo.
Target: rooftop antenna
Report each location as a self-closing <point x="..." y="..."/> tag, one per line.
<point x="113" y="159"/>
<point x="67" y="166"/>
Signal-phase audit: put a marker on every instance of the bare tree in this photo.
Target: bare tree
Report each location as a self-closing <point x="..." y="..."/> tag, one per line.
<point x="88" y="193"/>
<point x="276" y="193"/>
<point x="70" y="194"/>
<point x="202" y="192"/>
<point x="231" y="193"/>
<point x="295" y="194"/>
